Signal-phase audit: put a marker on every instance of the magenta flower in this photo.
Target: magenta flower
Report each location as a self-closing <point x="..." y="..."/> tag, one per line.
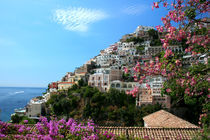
<point x="25" y="121"/>
<point x="53" y="128"/>
<point x="2" y="135"/>
<point x="21" y="129"/>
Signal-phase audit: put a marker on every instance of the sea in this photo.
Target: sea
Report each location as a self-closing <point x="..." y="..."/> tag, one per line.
<point x="16" y="97"/>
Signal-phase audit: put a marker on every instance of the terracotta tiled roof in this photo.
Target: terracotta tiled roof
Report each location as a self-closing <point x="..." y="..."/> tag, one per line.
<point x="142" y="132"/>
<point x="167" y="120"/>
<point x="153" y="133"/>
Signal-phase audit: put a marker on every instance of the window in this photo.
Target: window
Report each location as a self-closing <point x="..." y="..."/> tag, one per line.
<point x="113" y="85"/>
<point x="124" y="86"/>
<point x="118" y="85"/>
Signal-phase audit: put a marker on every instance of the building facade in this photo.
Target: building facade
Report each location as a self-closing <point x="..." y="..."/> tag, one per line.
<point x="35" y="108"/>
<point x="154" y="50"/>
<point x="102" y="79"/>
<point x="65" y="85"/>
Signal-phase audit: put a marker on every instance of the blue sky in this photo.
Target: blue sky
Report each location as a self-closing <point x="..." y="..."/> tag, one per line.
<point x="41" y="40"/>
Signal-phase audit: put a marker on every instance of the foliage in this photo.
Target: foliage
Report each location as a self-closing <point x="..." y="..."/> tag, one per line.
<point x="112" y="107"/>
<point x="140" y="49"/>
<point x="154" y="38"/>
<point x="20" y="119"/>
<point x="153" y="34"/>
<point x="127" y="77"/>
<point x="62" y="104"/>
<point x="39" y="97"/>
<point x="82" y="83"/>
<point x="136" y="40"/>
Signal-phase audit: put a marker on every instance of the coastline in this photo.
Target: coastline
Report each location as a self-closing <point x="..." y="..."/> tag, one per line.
<point x="12" y="98"/>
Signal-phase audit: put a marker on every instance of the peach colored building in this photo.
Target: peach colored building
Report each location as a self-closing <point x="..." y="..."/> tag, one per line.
<point x="65" y="85"/>
<point x="102" y="80"/>
<point x="146" y="97"/>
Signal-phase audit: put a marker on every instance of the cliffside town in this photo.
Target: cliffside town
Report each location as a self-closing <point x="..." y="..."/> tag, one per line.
<point x="106" y="71"/>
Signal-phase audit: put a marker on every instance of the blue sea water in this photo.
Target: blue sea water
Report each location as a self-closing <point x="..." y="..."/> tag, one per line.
<point x="16" y="97"/>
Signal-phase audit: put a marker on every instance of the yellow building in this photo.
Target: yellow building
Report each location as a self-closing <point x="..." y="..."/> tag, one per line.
<point x="76" y="77"/>
<point x="79" y="76"/>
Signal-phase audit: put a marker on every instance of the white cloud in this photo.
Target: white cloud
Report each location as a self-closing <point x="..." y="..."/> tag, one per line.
<point x="78" y="19"/>
<point x="135" y="9"/>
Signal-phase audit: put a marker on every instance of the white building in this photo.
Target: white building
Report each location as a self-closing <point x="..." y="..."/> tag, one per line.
<point x="123" y="86"/>
<point x="190" y="59"/>
<point x="111" y="49"/>
<point x="106" y="59"/>
<point x="34" y="107"/>
<point x="153" y="50"/>
<point x="156" y="83"/>
<point x="143" y="28"/>
<point x="142" y="31"/>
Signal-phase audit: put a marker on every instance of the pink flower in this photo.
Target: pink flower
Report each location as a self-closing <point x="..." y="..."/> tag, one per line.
<point x="168" y="90"/>
<point x="156" y="4"/>
<point x="177" y="62"/>
<point x="165" y="4"/>
<point x="148" y="86"/>
<point x="193" y="82"/>
<point x="126" y="70"/>
<point x="187" y="91"/>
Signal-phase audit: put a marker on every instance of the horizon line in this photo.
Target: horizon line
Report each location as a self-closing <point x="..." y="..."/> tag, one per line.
<point x="20" y="87"/>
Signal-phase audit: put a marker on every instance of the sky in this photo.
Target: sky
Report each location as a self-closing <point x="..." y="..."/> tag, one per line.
<point x="41" y="40"/>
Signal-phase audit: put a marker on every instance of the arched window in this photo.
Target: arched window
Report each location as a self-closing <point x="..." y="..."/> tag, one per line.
<point x="113" y="85"/>
<point x="124" y="86"/>
<point x="118" y="85"/>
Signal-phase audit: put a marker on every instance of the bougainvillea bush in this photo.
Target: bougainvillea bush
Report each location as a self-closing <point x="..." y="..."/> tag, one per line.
<point x="53" y="130"/>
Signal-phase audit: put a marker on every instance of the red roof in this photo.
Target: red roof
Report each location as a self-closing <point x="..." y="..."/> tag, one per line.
<point x="66" y="83"/>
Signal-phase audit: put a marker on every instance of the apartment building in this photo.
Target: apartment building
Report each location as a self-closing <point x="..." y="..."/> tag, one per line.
<point x="154" y="50"/>
<point x="152" y="95"/>
<point x="106" y="60"/>
<point x="102" y="79"/>
<point x="145" y="97"/>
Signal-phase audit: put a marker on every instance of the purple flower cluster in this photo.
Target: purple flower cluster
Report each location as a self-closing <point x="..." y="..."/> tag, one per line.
<point x="52" y="130"/>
